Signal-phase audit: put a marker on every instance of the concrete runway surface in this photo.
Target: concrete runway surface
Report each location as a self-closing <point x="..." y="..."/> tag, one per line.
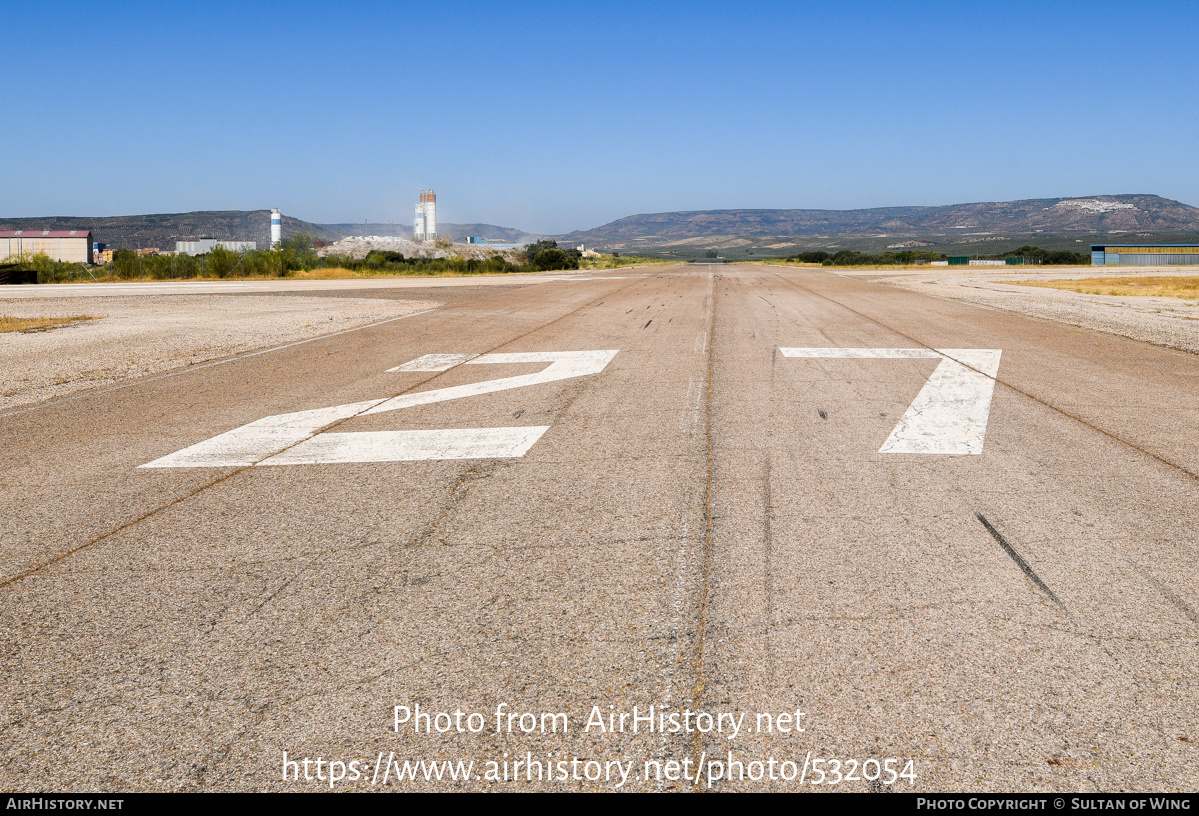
<point x="689" y="517"/>
<point x="246" y="287"/>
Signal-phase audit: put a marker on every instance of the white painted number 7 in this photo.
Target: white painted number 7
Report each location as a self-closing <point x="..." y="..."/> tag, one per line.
<point x="949" y="415"/>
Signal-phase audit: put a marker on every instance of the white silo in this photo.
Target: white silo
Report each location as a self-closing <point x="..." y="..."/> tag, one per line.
<point x="430" y="214"/>
<point x="418" y="225"/>
<point x="424" y="228"/>
<point x="276" y="228"/>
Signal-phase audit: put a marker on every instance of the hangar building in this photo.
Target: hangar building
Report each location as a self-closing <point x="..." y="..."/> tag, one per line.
<point x="72" y="246"/>
<point x="1144" y="254"/>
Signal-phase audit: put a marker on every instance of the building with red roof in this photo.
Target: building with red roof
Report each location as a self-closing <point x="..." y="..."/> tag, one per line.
<point x="72" y="246"/>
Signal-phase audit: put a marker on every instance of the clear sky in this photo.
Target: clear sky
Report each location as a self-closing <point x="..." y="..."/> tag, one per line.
<point x="558" y="116"/>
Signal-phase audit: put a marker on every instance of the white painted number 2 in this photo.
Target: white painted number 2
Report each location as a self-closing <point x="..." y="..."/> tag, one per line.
<point x="296" y="438"/>
<point x="949" y="415"/>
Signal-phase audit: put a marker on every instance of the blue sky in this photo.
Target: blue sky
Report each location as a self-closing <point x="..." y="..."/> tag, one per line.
<point x="560" y="116"/>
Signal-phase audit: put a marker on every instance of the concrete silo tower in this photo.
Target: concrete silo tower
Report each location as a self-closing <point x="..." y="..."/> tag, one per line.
<point x="418" y="224"/>
<point x="424" y="227"/>
<point x="276" y="228"/>
<point x="430" y="199"/>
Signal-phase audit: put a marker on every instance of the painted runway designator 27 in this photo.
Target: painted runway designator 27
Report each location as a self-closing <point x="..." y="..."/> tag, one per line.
<point x="949" y="415"/>
<point x="296" y="438"/>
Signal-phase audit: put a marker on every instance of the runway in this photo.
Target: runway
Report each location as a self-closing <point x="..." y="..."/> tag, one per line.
<point x="953" y="537"/>
<point x="102" y="288"/>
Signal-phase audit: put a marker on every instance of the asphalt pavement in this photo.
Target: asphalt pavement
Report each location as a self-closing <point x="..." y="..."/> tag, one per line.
<point x="955" y="542"/>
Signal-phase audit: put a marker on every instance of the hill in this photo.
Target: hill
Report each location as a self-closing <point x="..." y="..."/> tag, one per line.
<point x="1075" y="219"/>
<point x="163" y="229"/>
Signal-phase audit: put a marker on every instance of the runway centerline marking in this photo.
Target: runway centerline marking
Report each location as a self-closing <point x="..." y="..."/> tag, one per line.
<point x="950" y="413"/>
<point x="295" y="438"/>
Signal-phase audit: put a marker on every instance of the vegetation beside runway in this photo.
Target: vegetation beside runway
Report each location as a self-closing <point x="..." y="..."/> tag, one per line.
<point x="29" y="324"/>
<point x="617" y="261"/>
<point x="848" y="257"/>
<point x="1026" y="254"/>
<point x="793" y="262"/>
<point x="1186" y="287"/>
<point x="296" y="258"/>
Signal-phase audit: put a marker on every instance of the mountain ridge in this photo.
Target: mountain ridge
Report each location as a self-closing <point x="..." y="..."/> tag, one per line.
<point x="1092" y="215"/>
<point x="968" y="228"/>
<point x="161" y="230"/>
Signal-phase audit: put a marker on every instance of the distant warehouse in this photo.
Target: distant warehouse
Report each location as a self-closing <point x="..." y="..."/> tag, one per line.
<point x="1145" y="255"/>
<point x="72" y="246"/>
<point x="202" y="246"/>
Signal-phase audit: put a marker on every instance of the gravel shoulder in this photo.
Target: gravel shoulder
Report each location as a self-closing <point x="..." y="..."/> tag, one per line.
<point x="1169" y="322"/>
<point x="140" y="336"/>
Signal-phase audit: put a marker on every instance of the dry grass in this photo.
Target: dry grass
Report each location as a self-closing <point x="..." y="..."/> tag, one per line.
<point x="338" y="273"/>
<point x="622" y="261"/>
<point x="32" y="324"/>
<point x="1164" y="286"/>
<point x="332" y="273"/>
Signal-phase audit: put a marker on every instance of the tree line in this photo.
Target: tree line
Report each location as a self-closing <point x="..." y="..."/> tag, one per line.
<point x="293" y="254"/>
<point x="846" y="257"/>
<point x="1058" y="257"/>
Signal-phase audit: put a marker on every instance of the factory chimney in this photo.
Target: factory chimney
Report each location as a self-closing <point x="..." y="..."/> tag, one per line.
<point x="276" y="228"/>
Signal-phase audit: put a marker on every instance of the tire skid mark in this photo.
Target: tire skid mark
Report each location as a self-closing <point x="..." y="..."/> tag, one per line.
<point x="1182" y="606"/>
<point x="1019" y="559"/>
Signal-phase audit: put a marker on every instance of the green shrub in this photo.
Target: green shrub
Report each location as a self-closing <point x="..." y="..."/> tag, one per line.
<point x="547" y="255"/>
<point x="817" y="256"/>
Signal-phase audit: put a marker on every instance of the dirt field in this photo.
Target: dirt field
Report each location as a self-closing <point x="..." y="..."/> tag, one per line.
<point x="135" y="336"/>
<point x="1156" y="286"/>
<point x="1054" y="295"/>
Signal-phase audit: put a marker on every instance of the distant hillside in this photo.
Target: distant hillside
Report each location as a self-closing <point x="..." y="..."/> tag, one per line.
<point x="954" y="224"/>
<point x="1053" y="223"/>
<point x="491" y="233"/>
<point x="456" y="232"/>
<point x="162" y="230"/>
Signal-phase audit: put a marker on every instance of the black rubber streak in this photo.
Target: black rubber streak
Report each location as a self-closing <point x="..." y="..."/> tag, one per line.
<point x="1020" y="562"/>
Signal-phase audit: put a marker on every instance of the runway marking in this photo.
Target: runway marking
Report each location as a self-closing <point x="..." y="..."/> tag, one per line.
<point x="295" y="438"/>
<point x="433" y="362"/>
<point x="949" y="415"/>
<point x="411" y="446"/>
<point x="563" y="366"/>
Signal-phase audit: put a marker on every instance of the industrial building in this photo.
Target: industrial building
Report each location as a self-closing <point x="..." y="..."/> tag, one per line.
<point x="425" y="226"/>
<point x="202" y="246"/>
<point x="1144" y="254"/>
<point x="71" y="246"/>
